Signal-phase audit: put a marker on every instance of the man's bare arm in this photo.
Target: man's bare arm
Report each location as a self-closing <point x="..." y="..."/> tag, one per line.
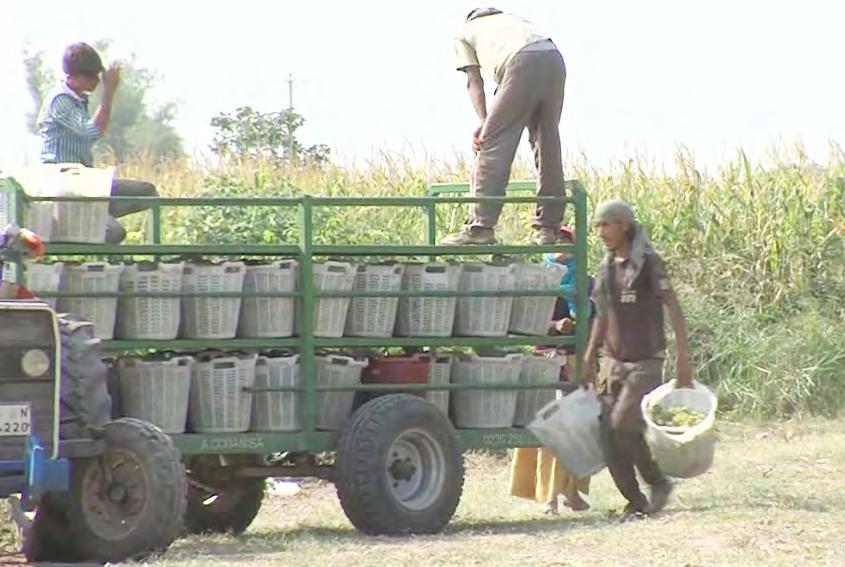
<point x="588" y="368"/>
<point x="475" y="87"/>
<point x="683" y="373"/>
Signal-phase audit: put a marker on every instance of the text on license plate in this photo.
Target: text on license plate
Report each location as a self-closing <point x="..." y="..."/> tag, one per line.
<point x="15" y="419"/>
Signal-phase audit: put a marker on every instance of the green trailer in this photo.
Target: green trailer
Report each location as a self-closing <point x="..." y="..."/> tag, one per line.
<point x="397" y="462"/>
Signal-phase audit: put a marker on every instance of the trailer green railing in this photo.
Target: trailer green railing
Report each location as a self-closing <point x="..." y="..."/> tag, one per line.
<point x="305" y="252"/>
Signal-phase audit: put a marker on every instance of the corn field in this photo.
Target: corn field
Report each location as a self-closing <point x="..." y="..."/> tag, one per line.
<point x="756" y="250"/>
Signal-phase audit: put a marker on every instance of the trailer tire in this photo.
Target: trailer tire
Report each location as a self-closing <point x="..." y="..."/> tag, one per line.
<point x="399" y="467"/>
<point x="235" y="504"/>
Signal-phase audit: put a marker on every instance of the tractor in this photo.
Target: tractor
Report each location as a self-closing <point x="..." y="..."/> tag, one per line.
<point x="81" y="485"/>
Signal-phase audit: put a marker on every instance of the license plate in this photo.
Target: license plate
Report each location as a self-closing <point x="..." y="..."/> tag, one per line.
<point x="15" y="419"/>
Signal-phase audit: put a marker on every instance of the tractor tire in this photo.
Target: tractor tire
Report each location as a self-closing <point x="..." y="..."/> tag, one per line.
<point x="399" y="467"/>
<point x="128" y="502"/>
<point x="48" y="539"/>
<point x="217" y="501"/>
<point x="86" y="404"/>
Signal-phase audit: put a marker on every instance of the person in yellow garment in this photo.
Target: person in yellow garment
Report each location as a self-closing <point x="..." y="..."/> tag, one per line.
<point x="537" y="475"/>
<point x="530" y="76"/>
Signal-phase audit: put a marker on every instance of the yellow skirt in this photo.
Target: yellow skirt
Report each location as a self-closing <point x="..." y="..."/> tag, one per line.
<point x="536" y="474"/>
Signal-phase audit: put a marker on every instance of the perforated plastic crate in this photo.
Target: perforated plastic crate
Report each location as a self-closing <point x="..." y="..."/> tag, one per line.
<point x="268" y="317"/>
<point x="333" y="407"/>
<point x="537" y="368"/>
<point x="277" y="411"/>
<point x="39" y="219"/>
<point x="485" y="409"/>
<point x="375" y="316"/>
<point x="485" y="316"/>
<point x="218" y="402"/>
<point x="44" y="278"/>
<point x="81" y="222"/>
<point x="330" y="312"/>
<point x="154" y="318"/>
<point x="156" y="391"/>
<point x="428" y="316"/>
<point x="533" y="315"/>
<point x="211" y="317"/>
<point x="92" y="277"/>
<point x="439" y="372"/>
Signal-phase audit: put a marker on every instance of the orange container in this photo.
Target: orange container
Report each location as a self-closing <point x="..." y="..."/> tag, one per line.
<point x="397" y="370"/>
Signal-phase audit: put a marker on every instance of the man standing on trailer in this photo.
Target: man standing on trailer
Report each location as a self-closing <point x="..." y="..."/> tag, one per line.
<point x="69" y="132"/>
<point x="630" y="293"/>
<point x="530" y="74"/>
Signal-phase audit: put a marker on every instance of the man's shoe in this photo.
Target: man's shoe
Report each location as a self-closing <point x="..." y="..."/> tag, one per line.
<point x="660" y="494"/>
<point x="631" y="514"/>
<point x="471" y="235"/>
<point x="546" y="236"/>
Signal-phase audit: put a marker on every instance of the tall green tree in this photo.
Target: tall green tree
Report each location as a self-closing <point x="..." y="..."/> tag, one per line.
<point x="136" y="127"/>
<point x="266" y="135"/>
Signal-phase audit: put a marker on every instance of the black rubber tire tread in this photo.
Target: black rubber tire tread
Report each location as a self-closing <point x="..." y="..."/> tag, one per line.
<point x="49" y="538"/>
<point x="236" y="506"/>
<point x="360" y="471"/>
<point x="165" y="509"/>
<point x="84" y="387"/>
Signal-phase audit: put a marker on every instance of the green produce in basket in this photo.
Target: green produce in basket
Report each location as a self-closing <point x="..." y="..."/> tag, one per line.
<point x="675" y="416"/>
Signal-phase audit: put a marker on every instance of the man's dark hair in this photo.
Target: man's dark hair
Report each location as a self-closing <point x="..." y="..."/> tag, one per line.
<point x="81" y="59"/>
<point x="481" y="12"/>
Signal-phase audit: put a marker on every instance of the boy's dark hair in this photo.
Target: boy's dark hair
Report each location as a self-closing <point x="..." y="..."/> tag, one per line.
<point x="81" y="59"/>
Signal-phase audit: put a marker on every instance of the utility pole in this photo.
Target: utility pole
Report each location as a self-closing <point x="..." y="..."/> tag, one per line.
<point x="290" y="116"/>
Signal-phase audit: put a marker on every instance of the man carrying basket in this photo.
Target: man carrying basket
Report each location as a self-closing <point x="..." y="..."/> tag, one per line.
<point x="631" y="292"/>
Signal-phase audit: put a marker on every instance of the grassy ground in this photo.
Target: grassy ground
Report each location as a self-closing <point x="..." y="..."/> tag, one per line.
<point x="776" y="496"/>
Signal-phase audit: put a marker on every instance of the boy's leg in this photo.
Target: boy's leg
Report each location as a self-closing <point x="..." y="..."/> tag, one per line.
<point x="130" y="188"/>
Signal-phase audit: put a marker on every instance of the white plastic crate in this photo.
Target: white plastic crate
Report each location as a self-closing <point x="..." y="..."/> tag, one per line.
<point x="218" y="402"/>
<point x="485" y="409"/>
<point x="268" y="317"/>
<point x="428" y="316"/>
<point x="39" y="219"/>
<point x="330" y="312"/>
<point x="211" y="317"/>
<point x="536" y="368"/>
<point x="374" y="316"/>
<point x="38" y="215"/>
<point x="156" y="391"/>
<point x="81" y="222"/>
<point x="333" y="407"/>
<point x="440" y="372"/>
<point x="44" y="278"/>
<point x="154" y="318"/>
<point x="92" y="277"/>
<point x="485" y="316"/>
<point x="277" y="411"/>
<point x="533" y="315"/>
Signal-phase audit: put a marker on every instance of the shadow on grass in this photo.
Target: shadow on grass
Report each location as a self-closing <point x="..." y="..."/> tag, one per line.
<point x="277" y="540"/>
<point x="790" y="502"/>
<point x="537" y="525"/>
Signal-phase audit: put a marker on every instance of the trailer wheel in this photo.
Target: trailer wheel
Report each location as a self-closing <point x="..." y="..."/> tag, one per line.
<point x="129" y="501"/>
<point x="219" y="502"/>
<point x="399" y="467"/>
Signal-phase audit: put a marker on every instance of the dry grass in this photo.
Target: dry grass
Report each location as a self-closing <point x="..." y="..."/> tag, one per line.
<point x="776" y="496"/>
